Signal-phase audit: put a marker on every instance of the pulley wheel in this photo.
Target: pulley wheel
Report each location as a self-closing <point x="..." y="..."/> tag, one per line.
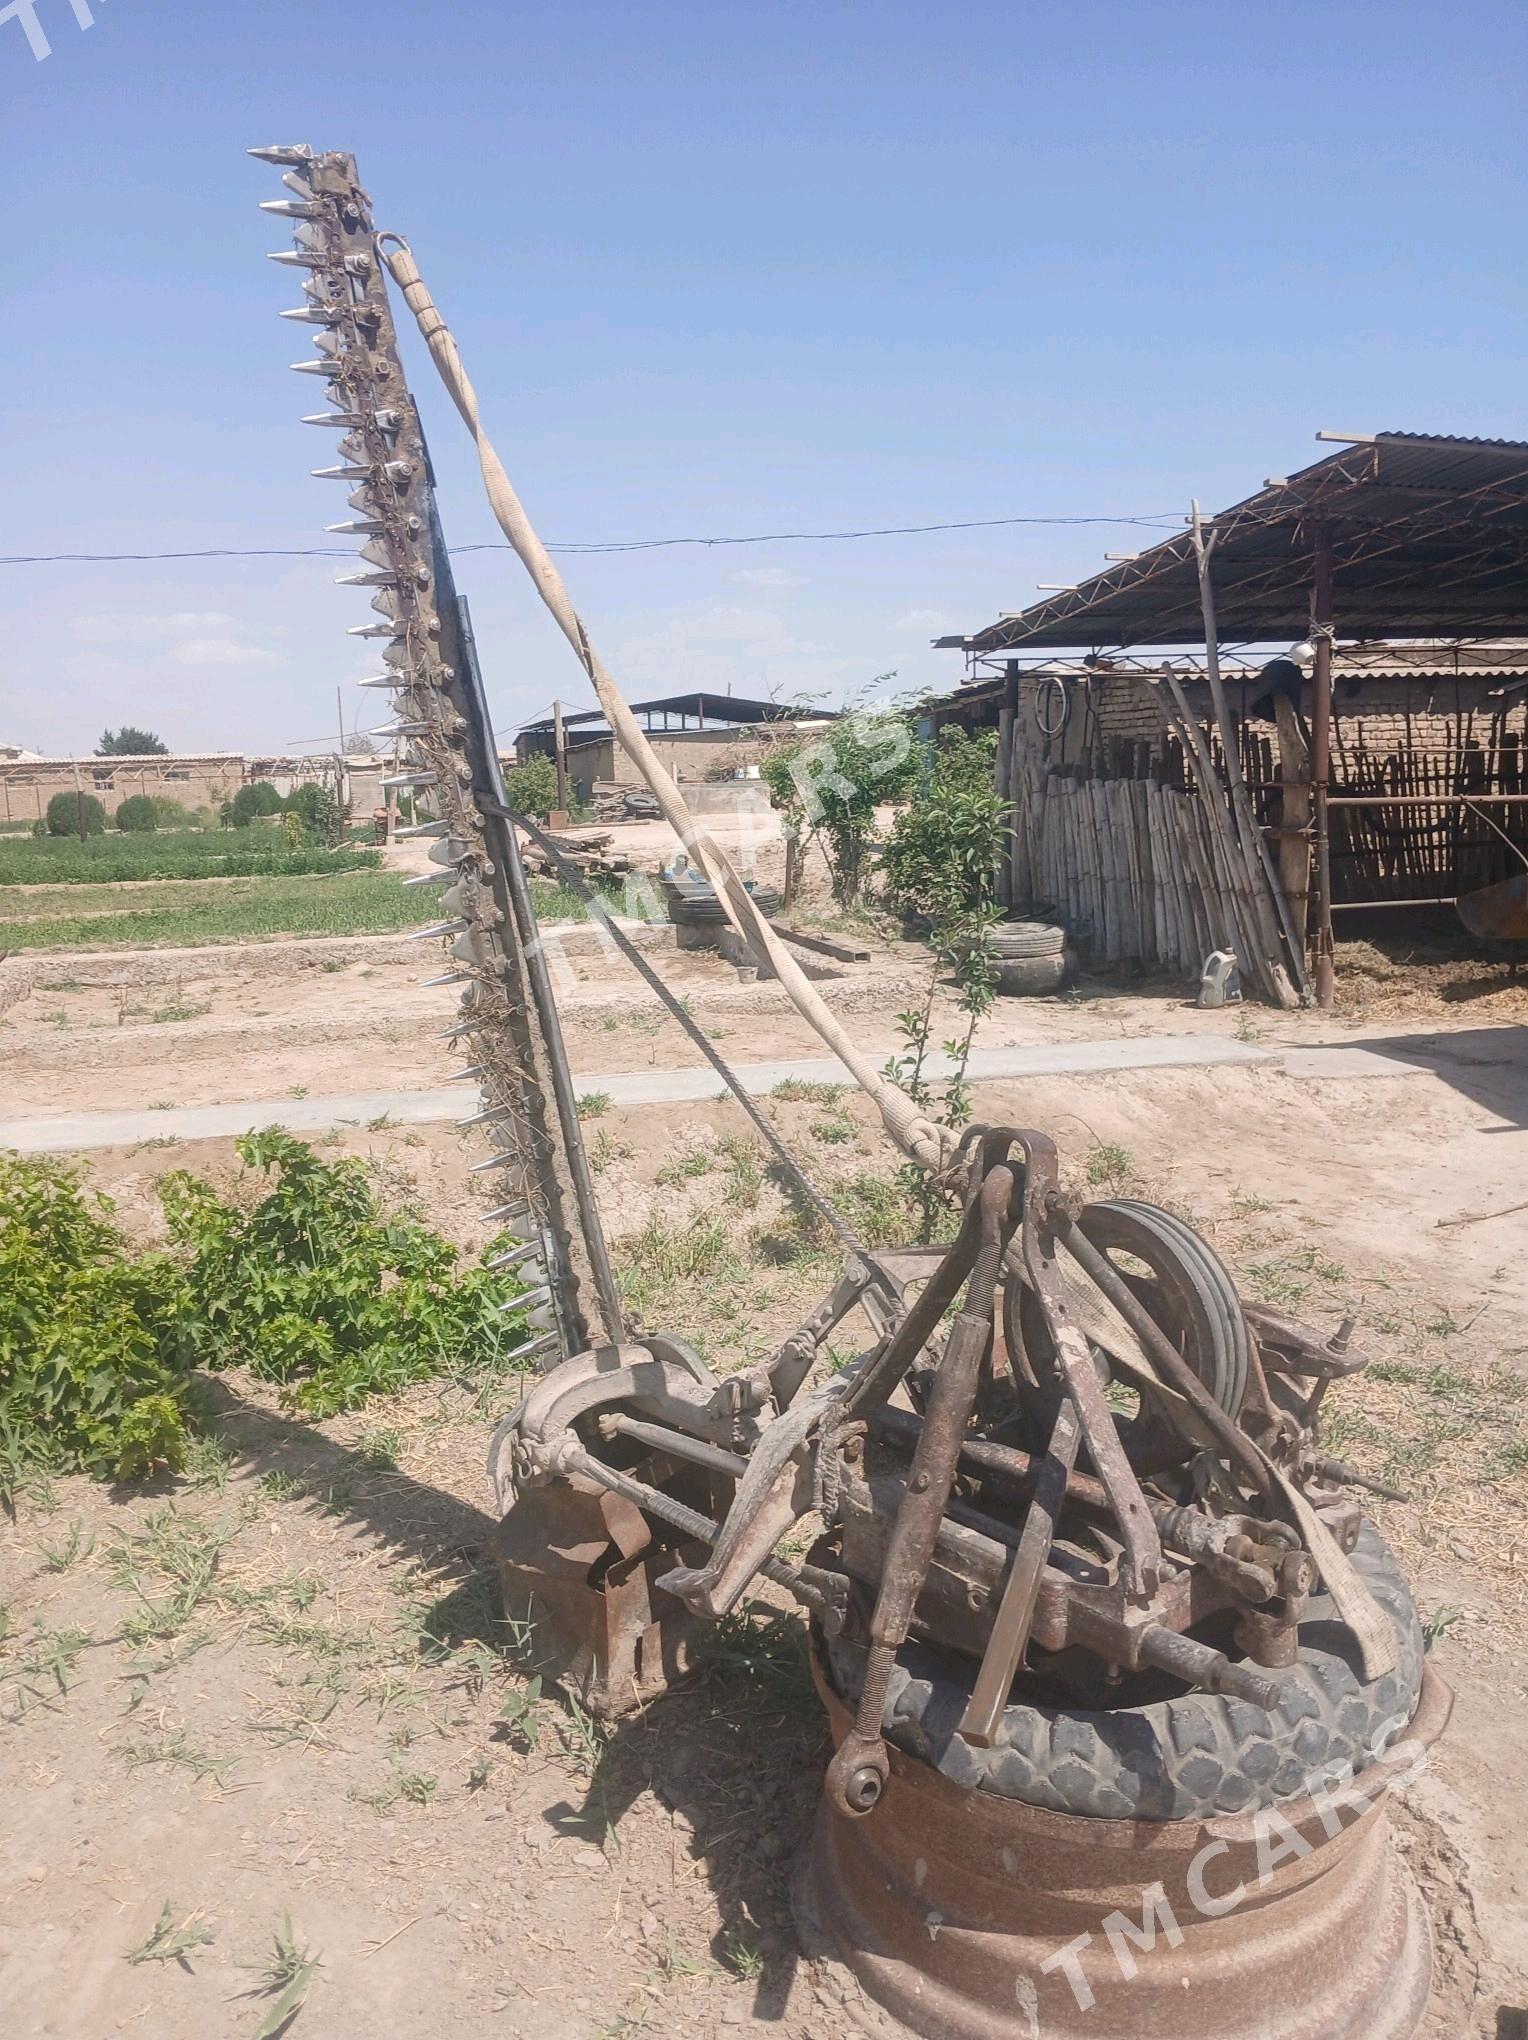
<point x="1179" y="1281"/>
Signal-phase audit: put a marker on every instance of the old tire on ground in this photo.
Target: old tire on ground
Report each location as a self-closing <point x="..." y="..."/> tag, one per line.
<point x="1012" y="939"/>
<point x="1027" y="977"/>
<point x="1188" y="1757"/>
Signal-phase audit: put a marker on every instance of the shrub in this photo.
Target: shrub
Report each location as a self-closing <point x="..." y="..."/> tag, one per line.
<point x="943" y="853"/>
<point x="252" y="801"/>
<point x="137" y="816"/>
<point x="531" y="788"/>
<point x="75" y="814"/>
<point x="316" y="1287"/>
<point x="94" y="1345"/>
<point x="174" y="814"/>
<point x="319" y="812"/>
<point x="834" y="784"/>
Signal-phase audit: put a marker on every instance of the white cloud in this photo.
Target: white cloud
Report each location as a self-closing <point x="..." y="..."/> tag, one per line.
<point x="126" y="628"/>
<point x="923" y="620"/>
<point x="714" y="646"/>
<point x="219" y="651"/>
<point x="768" y="577"/>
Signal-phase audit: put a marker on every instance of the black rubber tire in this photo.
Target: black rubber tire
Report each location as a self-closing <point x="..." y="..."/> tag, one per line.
<point x="1027" y="977"/>
<point x="1012" y="939"/>
<point x="1185" y="1758"/>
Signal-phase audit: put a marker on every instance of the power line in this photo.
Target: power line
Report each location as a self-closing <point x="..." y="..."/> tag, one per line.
<point x="1156" y="520"/>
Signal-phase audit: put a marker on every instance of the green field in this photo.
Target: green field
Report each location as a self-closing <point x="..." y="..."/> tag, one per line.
<point x="177" y="854"/>
<point x="187" y="915"/>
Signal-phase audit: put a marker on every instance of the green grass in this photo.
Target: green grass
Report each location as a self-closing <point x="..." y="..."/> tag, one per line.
<point x="236" y="910"/>
<point x="242" y="910"/>
<point x="190" y="853"/>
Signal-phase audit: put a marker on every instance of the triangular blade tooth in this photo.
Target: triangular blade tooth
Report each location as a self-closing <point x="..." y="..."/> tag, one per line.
<point x="512" y="1257"/>
<point x="448" y="977"/>
<point x="438" y="931"/>
<point x="341" y="474"/>
<point x="380" y="555"/>
<point x="313" y="315"/>
<point x="429" y="878"/>
<point x="451" y="850"/>
<point x="530" y="1348"/>
<point x="298" y="258"/>
<point x="407" y="779"/>
<point x="290" y="208"/>
<point x="356" y="527"/>
<point x="505" y="1161"/>
<point x="294" y="153"/>
<point x="337" y="421"/>
<point x="370" y="630"/>
<point x="423" y="829"/>
<point x="296" y="180"/>
<point x="466" y="1076"/>
<point x="311" y="367"/>
<point x="383" y="680"/>
<point x="482" y="1118"/>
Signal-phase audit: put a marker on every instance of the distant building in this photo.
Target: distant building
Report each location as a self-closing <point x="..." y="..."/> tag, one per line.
<point x="697" y="737"/>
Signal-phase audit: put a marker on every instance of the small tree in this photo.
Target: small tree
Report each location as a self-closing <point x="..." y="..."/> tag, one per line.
<point x="943" y="855"/>
<point x="834" y="783"/>
<point x="319" y="812"/>
<point x="531" y="788"/>
<point x="137" y="816"/>
<point x="131" y="742"/>
<point x="253" y="801"/>
<point x="75" y="814"/>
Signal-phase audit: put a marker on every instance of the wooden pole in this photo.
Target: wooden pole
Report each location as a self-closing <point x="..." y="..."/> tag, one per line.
<point x="1294" y="814"/>
<point x="1254" y="847"/>
<point x="1247" y="901"/>
<point x="1321" y="764"/>
<point x="560" y="750"/>
<point x="1007" y="738"/>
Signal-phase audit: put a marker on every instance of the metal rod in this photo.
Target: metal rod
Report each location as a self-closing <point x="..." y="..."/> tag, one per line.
<point x="539" y="981"/>
<point x="1009" y="1636"/>
<point x="678" y="1444"/>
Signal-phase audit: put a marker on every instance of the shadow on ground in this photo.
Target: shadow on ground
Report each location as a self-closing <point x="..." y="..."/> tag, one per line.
<point x="737" y="1752"/>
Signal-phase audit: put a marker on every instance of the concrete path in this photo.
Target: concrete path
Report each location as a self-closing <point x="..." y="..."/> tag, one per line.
<point x="81" y="1130"/>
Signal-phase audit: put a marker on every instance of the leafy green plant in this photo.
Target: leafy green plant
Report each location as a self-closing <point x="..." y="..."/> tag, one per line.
<point x="531" y="788"/>
<point x="318" y="1288"/>
<point x="75" y="814"/>
<point x="258" y="798"/>
<point x="94" y="1345"/>
<point x="314" y="1285"/>
<point x="136" y="816"/>
<point x="833" y="784"/>
<point x="942" y="856"/>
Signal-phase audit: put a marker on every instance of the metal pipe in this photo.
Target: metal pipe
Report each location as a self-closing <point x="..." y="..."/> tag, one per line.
<point x="678" y="1444"/>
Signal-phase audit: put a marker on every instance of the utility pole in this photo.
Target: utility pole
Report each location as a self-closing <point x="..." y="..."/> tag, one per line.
<point x="560" y="750"/>
<point x="339" y="762"/>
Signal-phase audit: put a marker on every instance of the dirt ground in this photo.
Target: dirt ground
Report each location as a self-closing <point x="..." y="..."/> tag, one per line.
<point x="282" y="1682"/>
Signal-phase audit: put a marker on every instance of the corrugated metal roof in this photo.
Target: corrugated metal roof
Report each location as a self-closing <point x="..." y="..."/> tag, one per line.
<point x="1429" y="538"/>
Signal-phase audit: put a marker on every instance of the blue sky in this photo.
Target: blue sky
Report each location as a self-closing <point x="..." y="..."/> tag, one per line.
<point x="720" y="269"/>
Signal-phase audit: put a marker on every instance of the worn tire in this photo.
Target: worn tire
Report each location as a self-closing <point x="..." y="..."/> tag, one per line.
<point x="1011" y="939"/>
<point x="1186" y="1758"/>
<point x="1026" y="977"/>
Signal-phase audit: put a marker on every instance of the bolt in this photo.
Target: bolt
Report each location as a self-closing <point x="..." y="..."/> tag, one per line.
<point x="919" y="1483"/>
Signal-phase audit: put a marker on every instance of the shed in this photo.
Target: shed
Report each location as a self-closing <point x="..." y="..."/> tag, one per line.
<point x="1244" y="802"/>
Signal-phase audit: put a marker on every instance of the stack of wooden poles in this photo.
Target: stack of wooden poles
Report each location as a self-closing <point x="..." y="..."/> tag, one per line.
<point x="1142" y="872"/>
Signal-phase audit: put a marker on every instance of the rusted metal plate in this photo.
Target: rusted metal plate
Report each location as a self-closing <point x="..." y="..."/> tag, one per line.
<point x="970" y="1917"/>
